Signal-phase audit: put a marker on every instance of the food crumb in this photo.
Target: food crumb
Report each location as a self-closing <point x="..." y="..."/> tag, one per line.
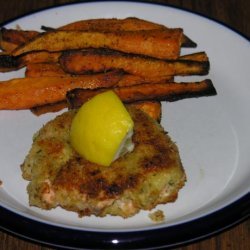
<point x="157" y="216"/>
<point x="1" y="183"/>
<point x="18" y="27"/>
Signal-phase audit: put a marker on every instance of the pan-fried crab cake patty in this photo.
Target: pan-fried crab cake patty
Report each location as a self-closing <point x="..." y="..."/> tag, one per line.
<point x="151" y="174"/>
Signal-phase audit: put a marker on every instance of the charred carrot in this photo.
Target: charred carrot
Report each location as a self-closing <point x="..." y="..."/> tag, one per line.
<point x="100" y="60"/>
<point x="159" y="91"/>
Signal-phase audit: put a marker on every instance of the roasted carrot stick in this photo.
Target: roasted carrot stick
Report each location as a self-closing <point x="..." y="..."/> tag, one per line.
<point x="24" y="93"/>
<point x="100" y="60"/>
<point x="44" y="69"/>
<point x="17" y="36"/>
<point x="11" y="63"/>
<point x="159" y="91"/>
<point x="199" y="57"/>
<point x="6" y="46"/>
<point x="126" y="24"/>
<point x="130" y="80"/>
<point x="49" y="108"/>
<point x="163" y="44"/>
<point x="54" y="69"/>
<point x="11" y="38"/>
<point x="152" y="108"/>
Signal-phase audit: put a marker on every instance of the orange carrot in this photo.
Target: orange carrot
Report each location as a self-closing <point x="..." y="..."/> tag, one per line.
<point x="24" y="93"/>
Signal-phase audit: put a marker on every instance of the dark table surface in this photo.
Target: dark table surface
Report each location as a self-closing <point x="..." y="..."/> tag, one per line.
<point x="231" y="12"/>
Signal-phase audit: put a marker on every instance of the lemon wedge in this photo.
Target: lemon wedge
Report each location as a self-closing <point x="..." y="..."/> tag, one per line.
<point x="102" y="129"/>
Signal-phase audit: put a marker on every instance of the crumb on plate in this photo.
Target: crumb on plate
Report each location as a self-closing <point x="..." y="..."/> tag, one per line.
<point x="157" y="216"/>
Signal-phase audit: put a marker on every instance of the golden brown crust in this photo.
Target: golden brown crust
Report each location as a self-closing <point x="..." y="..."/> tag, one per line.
<point x="150" y="175"/>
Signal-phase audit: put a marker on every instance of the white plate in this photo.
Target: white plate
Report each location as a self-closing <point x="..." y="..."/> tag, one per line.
<point x="212" y="133"/>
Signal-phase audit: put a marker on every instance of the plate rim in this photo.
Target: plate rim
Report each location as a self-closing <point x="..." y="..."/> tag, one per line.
<point x="167" y="237"/>
<point x="233" y="213"/>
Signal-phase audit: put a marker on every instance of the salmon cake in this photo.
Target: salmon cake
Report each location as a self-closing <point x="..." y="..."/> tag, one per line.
<point x="151" y="174"/>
